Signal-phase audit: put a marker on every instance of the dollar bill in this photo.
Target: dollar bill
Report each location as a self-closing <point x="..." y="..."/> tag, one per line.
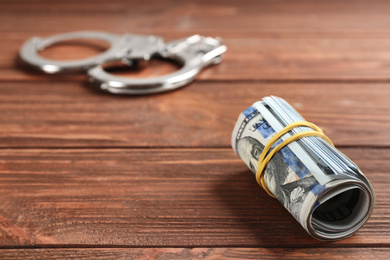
<point x="322" y="188"/>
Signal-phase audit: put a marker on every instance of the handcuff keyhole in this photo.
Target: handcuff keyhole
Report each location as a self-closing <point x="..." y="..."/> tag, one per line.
<point x="74" y="49"/>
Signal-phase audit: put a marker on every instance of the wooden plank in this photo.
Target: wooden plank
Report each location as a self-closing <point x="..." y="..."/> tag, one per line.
<point x="267" y="40"/>
<point x="72" y="114"/>
<point x="217" y="15"/>
<point x="249" y="57"/>
<point x="64" y="203"/>
<point x="159" y="197"/>
<point x="198" y="253"/>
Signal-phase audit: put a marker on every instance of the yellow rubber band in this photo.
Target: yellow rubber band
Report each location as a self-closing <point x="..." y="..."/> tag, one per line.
<point x="264" y="158"/>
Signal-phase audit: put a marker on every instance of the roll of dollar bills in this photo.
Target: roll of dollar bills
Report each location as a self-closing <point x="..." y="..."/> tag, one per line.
<point x="322" y="188"/>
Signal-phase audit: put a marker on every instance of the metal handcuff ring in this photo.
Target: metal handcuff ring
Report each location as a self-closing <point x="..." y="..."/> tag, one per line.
<point x="193" y="53"/>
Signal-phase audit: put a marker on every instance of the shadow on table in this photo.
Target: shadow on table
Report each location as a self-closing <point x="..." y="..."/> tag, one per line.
<point x="256" y="218"/>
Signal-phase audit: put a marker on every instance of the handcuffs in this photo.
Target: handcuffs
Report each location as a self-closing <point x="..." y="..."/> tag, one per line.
<point x="193" y="53"/>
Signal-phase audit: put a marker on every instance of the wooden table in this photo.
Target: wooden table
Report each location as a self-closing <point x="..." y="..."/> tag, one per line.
<point x="85" y="174"/>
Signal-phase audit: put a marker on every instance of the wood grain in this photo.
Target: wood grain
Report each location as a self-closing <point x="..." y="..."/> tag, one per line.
<point x="159" y="197"/>
<point x="204" y="15"/>
<point x="84" y="174"/>
<point x="267" y="40"/>
<point x="198" y="253"/>
<point x="53" y="114"/>
<point x="251" y="57"/>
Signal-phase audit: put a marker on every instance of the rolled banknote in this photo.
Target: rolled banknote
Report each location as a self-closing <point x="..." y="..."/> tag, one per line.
<point x="322" y="188"/>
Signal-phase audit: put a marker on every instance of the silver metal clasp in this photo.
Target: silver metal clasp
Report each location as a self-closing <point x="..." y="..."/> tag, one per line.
<point x="133" y="47"/>
<point x="125" y="48"/>
<point x="193" y="53"/>
<point x="208" y="49"/>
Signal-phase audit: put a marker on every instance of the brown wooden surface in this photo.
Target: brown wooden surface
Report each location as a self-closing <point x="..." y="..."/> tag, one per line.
<point x="84" y="174"/>
<point x="200" y="253"/>
<point x="158" y="197"/>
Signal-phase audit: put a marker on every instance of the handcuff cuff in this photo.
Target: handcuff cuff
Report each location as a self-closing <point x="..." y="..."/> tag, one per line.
<point x="193" y="53"/>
